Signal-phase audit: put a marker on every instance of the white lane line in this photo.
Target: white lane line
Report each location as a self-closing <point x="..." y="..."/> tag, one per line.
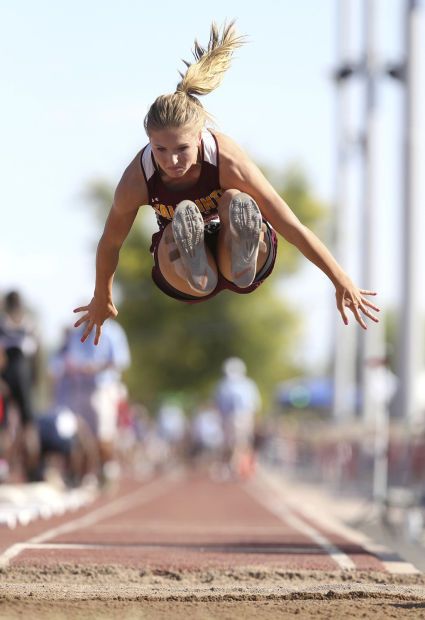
<point x="266" y="549"/>
<point x="10" y="553"/>
<point x="29" y="546"/>
<point x="391" y="561"/>
<point x="138" y="497"/>
<point x="396" y="565"/>
<point x="274" y="505"/>
<point x="16" y="549"/>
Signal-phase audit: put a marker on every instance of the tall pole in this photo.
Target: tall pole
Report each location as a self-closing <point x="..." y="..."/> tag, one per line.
<point x="371" y="343"/>
<point x="344" y="343"/>
<point x="372" y="367"/>
<point x="410" y="329"/>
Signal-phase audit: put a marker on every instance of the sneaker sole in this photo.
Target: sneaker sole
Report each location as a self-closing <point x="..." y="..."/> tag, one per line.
<point x="188" y="230"/>
<point x="245" y="229"/>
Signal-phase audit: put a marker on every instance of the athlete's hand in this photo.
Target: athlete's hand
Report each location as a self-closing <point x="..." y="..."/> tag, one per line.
<point x="349" y="296"/>
<point x="95" y="315"/>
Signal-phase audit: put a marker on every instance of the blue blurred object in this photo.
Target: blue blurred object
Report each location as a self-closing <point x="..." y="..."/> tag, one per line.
<point x="306" y="392"/>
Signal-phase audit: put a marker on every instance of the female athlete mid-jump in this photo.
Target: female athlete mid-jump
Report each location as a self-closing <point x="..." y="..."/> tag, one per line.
<point x="217" y="214"/>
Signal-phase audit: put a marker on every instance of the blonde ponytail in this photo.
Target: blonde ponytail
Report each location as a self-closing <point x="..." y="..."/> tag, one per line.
<point x="182" y="107"/>
<point x="207" y="72"/>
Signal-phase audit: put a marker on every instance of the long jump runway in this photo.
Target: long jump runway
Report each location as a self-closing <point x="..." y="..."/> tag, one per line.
<point x="185" y="537"/>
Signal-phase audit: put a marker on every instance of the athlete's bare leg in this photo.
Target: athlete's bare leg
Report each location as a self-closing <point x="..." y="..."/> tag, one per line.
<point x="172" y="267"/>
<point x="224" y="253"/>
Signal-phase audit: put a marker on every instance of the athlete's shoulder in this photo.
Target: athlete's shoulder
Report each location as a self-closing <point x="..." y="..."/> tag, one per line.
<point x="131" y="191"/>
<point x="228" y="147"/>
<point x="234" y="161"/>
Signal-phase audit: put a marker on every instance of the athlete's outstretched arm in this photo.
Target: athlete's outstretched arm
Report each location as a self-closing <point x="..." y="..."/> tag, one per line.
<point x="130" y="194"/>
<point x="239" y="172"/>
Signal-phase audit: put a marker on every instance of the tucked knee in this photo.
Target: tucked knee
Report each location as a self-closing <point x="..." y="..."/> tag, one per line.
<point x="224" y="202"/>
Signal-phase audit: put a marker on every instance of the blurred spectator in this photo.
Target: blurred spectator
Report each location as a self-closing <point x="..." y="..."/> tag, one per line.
<point x="155" y="452"/>
<point x="237" y="400"/>
<point x="172" y="429"/>
<point x="206" y="434"/>
<point x="171" y="423"/>
<point x="4" y="437"/>
<point x="4" y="390"/>
<point x="19" y="341"/>
<point x="384" y="382"/>
<point x="134" y="439"/>
<point x="61" y="378"/>
<point x="88" y="381"/>
<point x="68" y="447"/>
<point x="126" y="428"/>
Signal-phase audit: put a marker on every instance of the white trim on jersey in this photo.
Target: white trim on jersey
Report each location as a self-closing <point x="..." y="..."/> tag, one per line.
<point x="147" y="162"/>
<point x="210" y="147"/>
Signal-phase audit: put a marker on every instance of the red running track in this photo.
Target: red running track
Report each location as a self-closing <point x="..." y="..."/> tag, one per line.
<point x="186" y="521"/>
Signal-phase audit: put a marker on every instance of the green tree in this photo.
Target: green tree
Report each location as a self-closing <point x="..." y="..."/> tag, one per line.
<point x="177" y="348"/>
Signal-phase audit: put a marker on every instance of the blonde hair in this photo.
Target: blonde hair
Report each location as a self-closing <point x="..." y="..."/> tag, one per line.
<point x="183" y="106"/>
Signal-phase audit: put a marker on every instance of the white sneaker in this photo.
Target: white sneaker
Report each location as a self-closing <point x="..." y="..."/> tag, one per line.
<point x="188" y="230"/>
<point x="245" y="228"/>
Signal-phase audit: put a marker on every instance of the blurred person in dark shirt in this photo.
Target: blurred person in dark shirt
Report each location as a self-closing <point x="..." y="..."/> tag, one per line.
<point x="68" y="448"/>
<point x="4" y="436"/>
<point x="18" y="339"/>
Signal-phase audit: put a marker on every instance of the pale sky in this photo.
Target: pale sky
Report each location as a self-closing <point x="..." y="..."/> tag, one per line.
<point x="78" y="79"/>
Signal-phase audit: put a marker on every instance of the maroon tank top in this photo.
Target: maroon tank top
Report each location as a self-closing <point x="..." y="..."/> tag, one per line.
<point x="205" y="193"/>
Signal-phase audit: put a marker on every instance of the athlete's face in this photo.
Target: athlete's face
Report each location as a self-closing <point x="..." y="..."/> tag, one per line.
<point x="175" y="149"/>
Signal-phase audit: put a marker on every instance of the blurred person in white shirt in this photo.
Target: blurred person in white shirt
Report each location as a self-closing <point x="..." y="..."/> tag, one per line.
<point x="238" y="400"/>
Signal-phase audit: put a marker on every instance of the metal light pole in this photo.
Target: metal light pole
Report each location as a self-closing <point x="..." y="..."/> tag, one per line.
<point x="374" y="405"/>
<point x="345" y="341"/>
<point x="410" y="329"/>
<point x="371" y="344"/>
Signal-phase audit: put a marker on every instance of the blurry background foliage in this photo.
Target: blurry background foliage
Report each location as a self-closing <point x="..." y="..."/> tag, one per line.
<point x="178" y="349"/>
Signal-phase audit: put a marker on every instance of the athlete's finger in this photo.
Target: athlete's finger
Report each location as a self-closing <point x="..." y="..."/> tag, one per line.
<point x="341" y="307"/>
<point x="359" y="319"/>
<point x="366" y="302"/>
<point x="83" y="319"/>
<point x="87" y="331"/>
<point x="368" y="313"/>
<point x="344" y="318"/>
<point x="81" y="309"/>
<point x="363" y="292"/>
<point x="98" y="334"/>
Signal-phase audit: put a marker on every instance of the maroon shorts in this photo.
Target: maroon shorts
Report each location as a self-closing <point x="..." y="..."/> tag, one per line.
<point x="211" y="237"/>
